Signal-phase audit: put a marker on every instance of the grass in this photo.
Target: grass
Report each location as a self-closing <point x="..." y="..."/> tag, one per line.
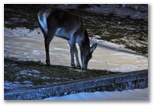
<point x="54" y="74"/>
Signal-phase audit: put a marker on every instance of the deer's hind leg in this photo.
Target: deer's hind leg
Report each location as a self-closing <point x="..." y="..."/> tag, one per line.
<point x="48" y="36"/>
<point x="47" y="41"/>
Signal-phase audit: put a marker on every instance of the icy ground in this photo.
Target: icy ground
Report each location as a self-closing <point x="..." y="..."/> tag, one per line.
<point x="137" y="94"/>
<point x="25" y="44"/>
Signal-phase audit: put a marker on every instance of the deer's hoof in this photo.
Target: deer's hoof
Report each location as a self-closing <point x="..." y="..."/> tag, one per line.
<point x="84" y="67"/>
<point x="78" y="66"/>
<point x="48" y="64"/>
<point x="73" y="65"/>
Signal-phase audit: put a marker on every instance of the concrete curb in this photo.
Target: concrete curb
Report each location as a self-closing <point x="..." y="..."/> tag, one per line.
<point x="116" y="82"/>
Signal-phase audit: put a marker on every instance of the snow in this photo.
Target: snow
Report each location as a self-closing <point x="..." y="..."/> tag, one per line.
<point x="16" y="84"/>
<point x="137" y="94"/>
<point x="124" y="68"/>
<point x="60" y="49"/>
<point x="29" y="72"/>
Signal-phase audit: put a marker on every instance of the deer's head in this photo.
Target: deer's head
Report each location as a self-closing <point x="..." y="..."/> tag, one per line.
<point x="86" y="56"/>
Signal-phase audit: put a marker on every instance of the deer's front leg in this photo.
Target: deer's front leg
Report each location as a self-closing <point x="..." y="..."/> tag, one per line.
<point x="77" y="58"/>
<point x="72" y="52"/>
<point x="72" y="58"/>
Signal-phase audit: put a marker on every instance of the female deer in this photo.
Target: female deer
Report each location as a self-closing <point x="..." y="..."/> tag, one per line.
<point x="70" y="27"/>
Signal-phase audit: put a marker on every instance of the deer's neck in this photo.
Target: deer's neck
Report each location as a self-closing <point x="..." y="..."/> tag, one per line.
<point x="86" y="43"/>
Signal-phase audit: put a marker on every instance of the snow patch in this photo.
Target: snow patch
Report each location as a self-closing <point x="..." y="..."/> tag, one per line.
<point x="36" y="52"/>
<point x="45" y="77"/>
<point x="95" y="60"/>
<point x="16" y="84"/>
<point x="30" y="72"/>
<point x="137" y="94"/>
<point x="56" y="48"/>
<point x="124" y="68"/>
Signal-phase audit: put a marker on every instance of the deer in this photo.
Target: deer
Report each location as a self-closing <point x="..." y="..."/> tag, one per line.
<point x="61" y="23"/>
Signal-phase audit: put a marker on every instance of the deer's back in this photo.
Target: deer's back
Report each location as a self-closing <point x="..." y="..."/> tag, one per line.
<point x="62" y="21"/>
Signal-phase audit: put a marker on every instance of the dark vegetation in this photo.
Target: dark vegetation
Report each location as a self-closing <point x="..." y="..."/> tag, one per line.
<point x="38" y="73"/>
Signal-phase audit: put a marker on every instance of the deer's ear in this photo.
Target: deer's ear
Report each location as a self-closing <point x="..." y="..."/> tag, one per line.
<point x="93" y="47"/>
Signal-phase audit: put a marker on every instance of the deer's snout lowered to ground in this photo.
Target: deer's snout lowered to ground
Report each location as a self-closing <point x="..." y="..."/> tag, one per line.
<point x="70" y="27"/>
